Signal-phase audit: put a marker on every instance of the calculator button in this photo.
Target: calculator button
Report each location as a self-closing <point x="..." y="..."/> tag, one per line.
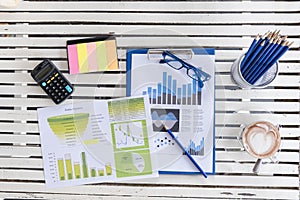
<point x="59" y="78"/>
<point x="51" y="84"/>
<point x="56" y="90"/>
<point x="47" y="88"/>
<point x="55" y="81"/>
<point x="56" y="75"/>
<point x="66" y="93"/>
<point x="60" y="87"/>
<point x="68" y="88"/>
<point x="44" y="84"/>
<point x="50" y="91"/>
<point x="52" y="78"/>
<point x="48" y="81"/>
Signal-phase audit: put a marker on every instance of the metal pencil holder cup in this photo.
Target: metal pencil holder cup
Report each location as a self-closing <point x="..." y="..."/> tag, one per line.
<point x="262" y="82"/>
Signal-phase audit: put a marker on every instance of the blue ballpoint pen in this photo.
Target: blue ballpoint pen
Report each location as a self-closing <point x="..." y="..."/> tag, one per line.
<point x="185" y="151"/>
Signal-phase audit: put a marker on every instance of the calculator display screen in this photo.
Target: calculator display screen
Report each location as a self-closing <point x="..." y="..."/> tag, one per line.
<point x="44" y="72"/>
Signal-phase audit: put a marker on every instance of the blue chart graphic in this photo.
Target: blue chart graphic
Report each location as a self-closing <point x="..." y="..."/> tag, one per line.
<point x="198" y="150"/>
<point x="167" y="92"/>
<point x="167" y="117"/>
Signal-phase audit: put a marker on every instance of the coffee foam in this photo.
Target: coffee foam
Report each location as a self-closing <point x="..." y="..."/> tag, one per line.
<point x="261" y="139"/>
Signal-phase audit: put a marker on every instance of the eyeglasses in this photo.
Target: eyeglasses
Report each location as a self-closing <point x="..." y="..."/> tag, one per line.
<point x="193" y="72"/>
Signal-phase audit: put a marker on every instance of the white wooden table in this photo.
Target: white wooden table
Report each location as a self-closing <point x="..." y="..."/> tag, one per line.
<point x="40" y="30"/>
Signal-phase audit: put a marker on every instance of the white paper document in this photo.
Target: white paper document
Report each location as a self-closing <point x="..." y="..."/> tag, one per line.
<point x="96" y="141"/>
<point x="177" y="101"/>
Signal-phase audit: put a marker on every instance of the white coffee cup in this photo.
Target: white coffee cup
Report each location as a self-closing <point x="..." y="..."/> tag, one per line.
<point x="261" y="140"/>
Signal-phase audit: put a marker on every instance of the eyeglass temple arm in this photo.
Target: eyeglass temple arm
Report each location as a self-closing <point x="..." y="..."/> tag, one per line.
<point x="206" y="75"/>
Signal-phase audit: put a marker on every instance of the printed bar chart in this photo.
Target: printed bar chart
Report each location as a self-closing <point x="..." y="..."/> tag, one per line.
<point x="68" y="170"/>
<point x="168" y="92"/>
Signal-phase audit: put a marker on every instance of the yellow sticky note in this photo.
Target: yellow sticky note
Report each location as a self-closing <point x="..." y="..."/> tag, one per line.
<point x="82" y="58"/>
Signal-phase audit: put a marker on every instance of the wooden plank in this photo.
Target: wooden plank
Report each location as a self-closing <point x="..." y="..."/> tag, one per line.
<point x="257" y="106"/>
<point x="259" y="94"/>
<point x="177" y="41"/>
<point x="220" y="131"/>
<point x="286" y="68"/>
<point x="153" y="18"/>
<point x="228" y="145"/>
<point x="221" y="105"/>
<point x="99" y="78"/>
<point x="13" y="138"/>
<point x="79" y="91"/>
<point x="245" y="6"/>
<point x="20" y="151"/>
<point x="220" y="180"/>
<point x="280" y="81"/>
<point x="229" y="168"/>
<point x="18" y="127"/>
<point x="38" y="190"/>
<point x="241" y="31"/>
<point x="221" y="95"/>
<point x="233" y="118"/>
<point x="271" y="181"/>
<point x="112" y="79"/>
<point x="222" y="55"/>
<point x="19" y="163"/>
<point x="232" y="158"/>
<point x="242" y="157"/>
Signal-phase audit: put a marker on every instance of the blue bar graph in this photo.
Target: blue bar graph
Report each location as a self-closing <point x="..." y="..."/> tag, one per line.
<point x="194" y="149"/>
<point x="169" y="91"/>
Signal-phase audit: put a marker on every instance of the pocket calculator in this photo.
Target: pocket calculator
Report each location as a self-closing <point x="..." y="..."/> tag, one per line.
<point x="52" y="81"/>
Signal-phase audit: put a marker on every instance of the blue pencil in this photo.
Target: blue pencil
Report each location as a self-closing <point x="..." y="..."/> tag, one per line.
<point x="253" y="64"/>
<point x="185" y="151"/>
<point x="277" y="47"/>
<point x="274" y="49"/>
<point x="284" y="49"/>
<point x="257" y="51"/>
<point x="252" y="47"/>
<point x="253" y="68"/>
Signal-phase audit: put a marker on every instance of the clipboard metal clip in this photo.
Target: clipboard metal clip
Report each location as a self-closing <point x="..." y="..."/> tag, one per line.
<point x="156" y="54"/>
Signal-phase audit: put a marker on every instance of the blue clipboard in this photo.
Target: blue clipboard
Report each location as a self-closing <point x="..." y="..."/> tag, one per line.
<point x="134" y="56"/>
